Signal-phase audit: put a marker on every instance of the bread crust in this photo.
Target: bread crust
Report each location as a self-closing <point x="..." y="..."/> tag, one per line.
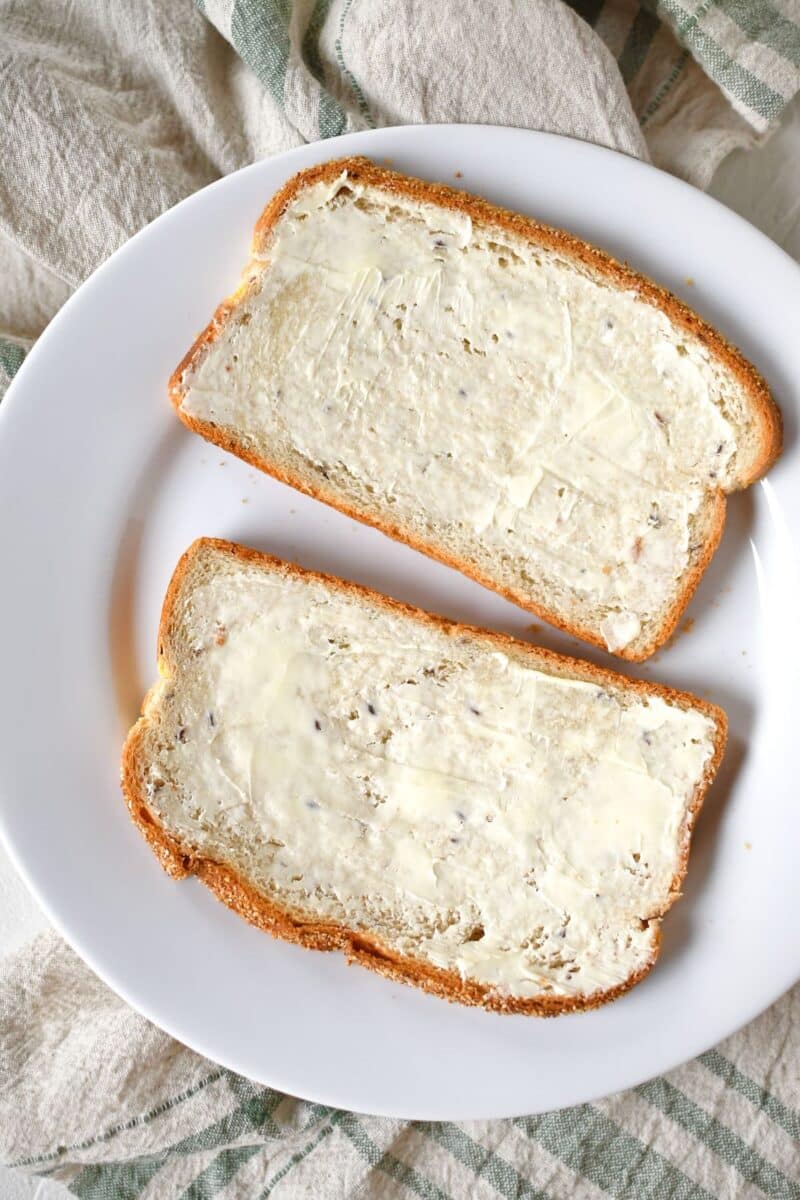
<point x="363" y="170"/>
<point x="259" y="910"/>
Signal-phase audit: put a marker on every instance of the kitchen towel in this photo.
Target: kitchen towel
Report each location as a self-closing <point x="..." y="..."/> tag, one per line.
<point x="95" y="1095"/>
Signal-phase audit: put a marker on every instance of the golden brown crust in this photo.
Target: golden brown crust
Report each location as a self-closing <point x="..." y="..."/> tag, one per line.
<point x="362" y="170"/>
<point x="263" y="912"/>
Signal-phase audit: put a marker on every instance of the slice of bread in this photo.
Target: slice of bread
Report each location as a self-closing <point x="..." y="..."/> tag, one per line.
<point x="454" y="808"/>
<point x="494" y="392"/>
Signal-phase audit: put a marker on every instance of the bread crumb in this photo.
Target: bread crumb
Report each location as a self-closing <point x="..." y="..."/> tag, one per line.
<point x="534" y="628"/>
<point x="748" y="845"/>
<point x="222" y="462"/>
<point x="292" y="511"/>
<point x="744" y="654"/>
<point x="687" y="625"/>
<point x="689" y="281"/>
<point x="244" y="500"/>
<point x="458" y="174"/>
<point x="389" y="161"/>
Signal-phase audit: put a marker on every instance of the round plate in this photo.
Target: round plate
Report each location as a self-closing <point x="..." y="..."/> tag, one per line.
<point x="101" y="489"/>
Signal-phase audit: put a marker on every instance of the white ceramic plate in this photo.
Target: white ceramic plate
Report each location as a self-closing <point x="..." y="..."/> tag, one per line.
<point x="101" y="489"/>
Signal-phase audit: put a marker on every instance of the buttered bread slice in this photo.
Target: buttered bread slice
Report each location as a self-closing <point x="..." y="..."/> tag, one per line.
<point x="497" y="393"/>
<point x="451" y="807"/>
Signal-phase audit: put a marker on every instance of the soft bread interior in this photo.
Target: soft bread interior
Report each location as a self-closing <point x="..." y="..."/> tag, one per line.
<point x="486" y="395"/>
<point x="467" y="802"/>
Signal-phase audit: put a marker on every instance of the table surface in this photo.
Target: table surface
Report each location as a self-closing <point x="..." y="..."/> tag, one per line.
<point x="763" y="186"/>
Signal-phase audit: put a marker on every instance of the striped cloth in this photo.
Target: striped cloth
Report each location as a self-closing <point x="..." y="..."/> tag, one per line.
<point x="94" y="1095"/>
<point x="110" y="115"/>
<point x="748" y="49"/>
<point x="703" y="77"/>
